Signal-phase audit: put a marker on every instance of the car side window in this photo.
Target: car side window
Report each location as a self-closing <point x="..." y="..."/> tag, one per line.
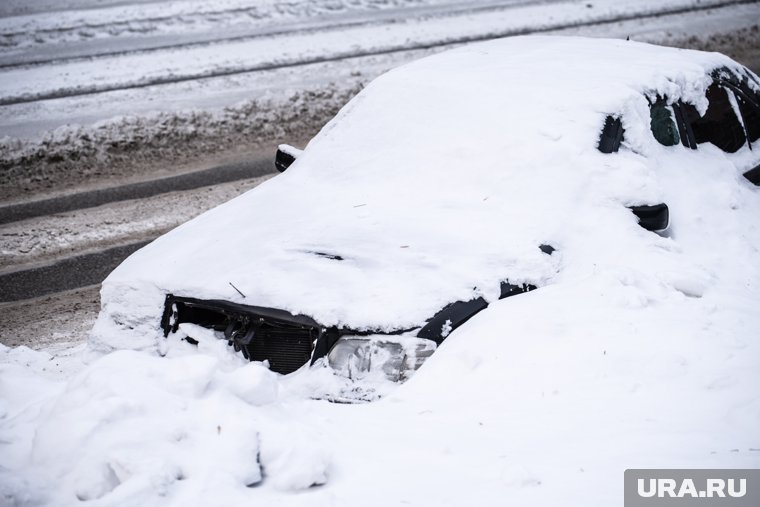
<point x="719" y="125"/>
<point x="662" y="123"/>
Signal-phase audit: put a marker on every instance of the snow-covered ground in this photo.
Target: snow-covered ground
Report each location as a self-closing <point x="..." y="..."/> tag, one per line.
<point x="641" y="351"/>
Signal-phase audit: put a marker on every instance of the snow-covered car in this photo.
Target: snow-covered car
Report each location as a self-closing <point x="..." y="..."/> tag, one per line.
<point x="447" y="184"/>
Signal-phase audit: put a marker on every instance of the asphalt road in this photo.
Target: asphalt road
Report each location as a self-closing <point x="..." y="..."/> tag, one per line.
<point x="91" y="268"/>
<point x="250" y="169"/>
<point x="66" y="274"/>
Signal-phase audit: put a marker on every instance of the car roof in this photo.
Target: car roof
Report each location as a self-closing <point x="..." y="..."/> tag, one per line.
<point x="516" y="90"/>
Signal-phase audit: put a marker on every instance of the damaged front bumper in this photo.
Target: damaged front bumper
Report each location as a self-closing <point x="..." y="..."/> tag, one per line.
<point x="290" y="341"/>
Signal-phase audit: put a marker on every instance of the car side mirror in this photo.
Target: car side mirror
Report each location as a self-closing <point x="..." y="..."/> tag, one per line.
<point x="654" y="218"/>
<point x="285" y="156"/>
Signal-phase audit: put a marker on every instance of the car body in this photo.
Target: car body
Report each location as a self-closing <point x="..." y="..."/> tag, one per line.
<point x="467" y="177"/>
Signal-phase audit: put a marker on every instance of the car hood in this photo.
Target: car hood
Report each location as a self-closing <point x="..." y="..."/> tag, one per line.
<point x="364" y="256"/>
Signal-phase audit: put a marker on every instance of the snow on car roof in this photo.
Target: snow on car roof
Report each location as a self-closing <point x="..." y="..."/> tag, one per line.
<point x="438" y="181"/>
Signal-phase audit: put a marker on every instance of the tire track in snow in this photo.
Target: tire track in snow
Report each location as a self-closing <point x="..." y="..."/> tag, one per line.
<point x="49" y="52"/>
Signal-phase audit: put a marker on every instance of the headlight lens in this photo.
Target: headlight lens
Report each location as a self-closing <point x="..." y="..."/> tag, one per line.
<point x="395" y="357"/>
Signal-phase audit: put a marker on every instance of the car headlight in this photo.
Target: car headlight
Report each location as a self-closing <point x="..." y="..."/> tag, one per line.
<point x="395" y="357"/>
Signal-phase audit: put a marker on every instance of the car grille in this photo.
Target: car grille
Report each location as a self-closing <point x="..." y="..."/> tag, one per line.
<point x="261" y="334"/>
<point x="286" y="350"/>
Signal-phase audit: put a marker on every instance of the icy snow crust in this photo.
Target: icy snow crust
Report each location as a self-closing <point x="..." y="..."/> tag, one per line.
<point x="440" y="180"/>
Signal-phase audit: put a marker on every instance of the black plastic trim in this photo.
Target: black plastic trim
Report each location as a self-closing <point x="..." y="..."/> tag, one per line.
<point x="753" y="175"/>
<point x="652" y="218"/>
<point x="229" y="309"/>
<point x="547" y="249"/>
<point x="451" y="317"/>
<point x="455" y="314"/>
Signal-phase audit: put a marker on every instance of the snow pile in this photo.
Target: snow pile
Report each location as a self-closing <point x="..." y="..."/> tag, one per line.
<point x="135" y="144"/>
<point x="139" y="429"/>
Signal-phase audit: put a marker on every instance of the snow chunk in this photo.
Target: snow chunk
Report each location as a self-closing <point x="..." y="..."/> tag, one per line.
<point x="253" y="383"/>
<point x="291" y="459"/>
<point x="446" y="328"/>
<point x="149" y="429"/>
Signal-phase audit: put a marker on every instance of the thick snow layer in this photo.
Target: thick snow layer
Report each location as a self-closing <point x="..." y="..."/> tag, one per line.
<point x="440" y="180"/>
